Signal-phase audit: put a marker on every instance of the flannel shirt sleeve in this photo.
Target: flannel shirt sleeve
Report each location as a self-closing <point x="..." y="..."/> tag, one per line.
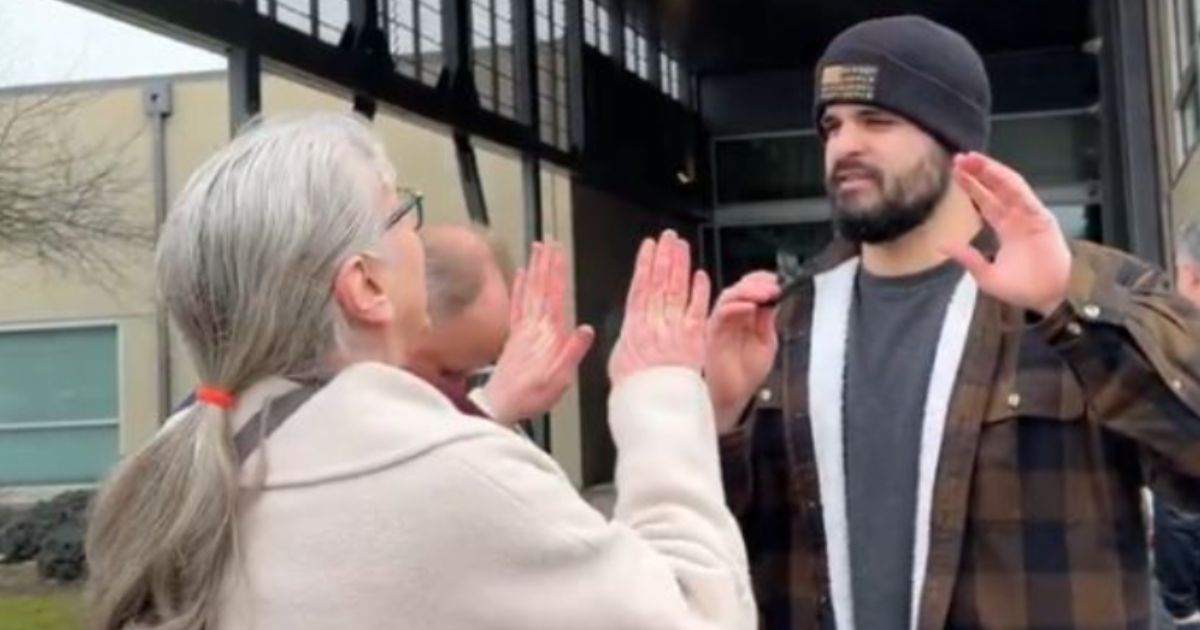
<point x="753" y="450"/>
<point x="737" y="468"/>
<point x="1134" y="345"/>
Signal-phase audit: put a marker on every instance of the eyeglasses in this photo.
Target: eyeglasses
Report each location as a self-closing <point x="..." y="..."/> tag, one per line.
<point x="410" y="201"/>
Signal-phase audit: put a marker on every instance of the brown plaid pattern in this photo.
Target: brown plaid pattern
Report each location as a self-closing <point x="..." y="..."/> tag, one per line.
<point x="1052" y="429"/>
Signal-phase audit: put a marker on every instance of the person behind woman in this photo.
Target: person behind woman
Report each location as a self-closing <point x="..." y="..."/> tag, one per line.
<point x="293" y="270"/>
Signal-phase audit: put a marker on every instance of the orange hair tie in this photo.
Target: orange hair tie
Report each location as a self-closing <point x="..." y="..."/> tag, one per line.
<point x="215" y="396"/>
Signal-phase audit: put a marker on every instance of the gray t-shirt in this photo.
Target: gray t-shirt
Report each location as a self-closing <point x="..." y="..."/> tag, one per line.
<point x="894" y="328"/>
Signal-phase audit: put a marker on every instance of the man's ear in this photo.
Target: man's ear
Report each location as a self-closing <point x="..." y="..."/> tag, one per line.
<point x="359" y="292"/>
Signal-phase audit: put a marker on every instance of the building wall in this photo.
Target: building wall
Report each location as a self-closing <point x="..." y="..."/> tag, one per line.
<point x="608" y="231"/>
<point x="47" y="298"/>
<point x="197" y="126"/>
<point x="1179" y="167"/>
<point x="558" y="211"/>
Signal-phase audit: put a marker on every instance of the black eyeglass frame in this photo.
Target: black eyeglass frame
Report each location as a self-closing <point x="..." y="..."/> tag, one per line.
<point x="415" y="202"/>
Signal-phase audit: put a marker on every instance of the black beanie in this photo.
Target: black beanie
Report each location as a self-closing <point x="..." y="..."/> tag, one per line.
<point x="914" y="67"/>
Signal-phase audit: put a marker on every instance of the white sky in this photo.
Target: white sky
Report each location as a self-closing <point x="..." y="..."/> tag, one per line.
<point x="48" y="41"/>
<point x="52" y="41"/>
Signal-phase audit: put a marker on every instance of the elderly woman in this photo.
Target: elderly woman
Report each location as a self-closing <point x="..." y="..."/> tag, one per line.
<point x="317" y="484"/>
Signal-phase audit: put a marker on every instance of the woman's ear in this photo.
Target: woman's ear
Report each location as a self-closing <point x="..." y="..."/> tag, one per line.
<point x="359" y="292"/>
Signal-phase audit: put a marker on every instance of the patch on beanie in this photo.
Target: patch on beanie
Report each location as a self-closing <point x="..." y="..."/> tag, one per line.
<point x="841" y="82"/>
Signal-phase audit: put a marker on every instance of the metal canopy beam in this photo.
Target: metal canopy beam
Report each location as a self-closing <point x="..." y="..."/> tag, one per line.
<point x="364" y="37"/>
<point x="458" y="76"/>
<point x="225" y="25"/>
<point x="525" y="60"/>
<point x="244" y="77"/>
<point x="468" y="175"/>
<point x="574" y="57"/>
<point x="528" y="111"/>
<point x="654" y="52"/>
<point x="616" y="30"/>
<point x="528" y="106"/>
<point x="1132" y="214"/>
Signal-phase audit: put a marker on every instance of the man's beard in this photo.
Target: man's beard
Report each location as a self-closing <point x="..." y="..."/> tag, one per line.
<point x="903" y="206"/>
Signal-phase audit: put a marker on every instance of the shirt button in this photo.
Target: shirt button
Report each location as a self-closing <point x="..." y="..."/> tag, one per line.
<point x="1091" y="311"/>
<point x="1074" y="329"/>
<point x="1014" y="400"/>
<point x="764" y="395"/>
<point x="1176" y="384"/>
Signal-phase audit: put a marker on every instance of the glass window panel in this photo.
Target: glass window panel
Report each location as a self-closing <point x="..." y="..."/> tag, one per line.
<point x="58" y="375"/>
<point x="56" y="455"/>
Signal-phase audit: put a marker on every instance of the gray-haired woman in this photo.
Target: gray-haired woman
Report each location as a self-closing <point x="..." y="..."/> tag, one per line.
<point x="316" y="484"/>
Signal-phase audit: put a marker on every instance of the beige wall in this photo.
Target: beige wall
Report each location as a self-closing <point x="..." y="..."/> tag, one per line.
<point x="500" y="172"/>
<point x="566" y="436"/>
<point x="198" y="125"/>
<point x="40" y="295"/>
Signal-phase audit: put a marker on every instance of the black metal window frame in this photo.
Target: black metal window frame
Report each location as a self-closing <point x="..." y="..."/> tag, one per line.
<point x="398" y="64"/>
<point x="414" y="33"/>
<point x="494" y="42"/>
<point x="636" y="51"/>
<point x="670" y="75"/>
<point x="551" y="31"/>
<point x="1185" y="47"/>
<point x="304" y="16"/>
<point x="597" y="20"/>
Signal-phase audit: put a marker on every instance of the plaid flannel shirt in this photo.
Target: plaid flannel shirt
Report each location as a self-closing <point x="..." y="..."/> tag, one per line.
<point x="1053" y="428"/>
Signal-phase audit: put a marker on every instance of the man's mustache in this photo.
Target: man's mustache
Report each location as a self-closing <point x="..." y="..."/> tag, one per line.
<point x="849" y="167"/>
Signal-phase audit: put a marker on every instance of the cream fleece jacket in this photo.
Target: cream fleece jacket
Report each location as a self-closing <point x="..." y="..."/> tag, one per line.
<point x="381" y="506"/>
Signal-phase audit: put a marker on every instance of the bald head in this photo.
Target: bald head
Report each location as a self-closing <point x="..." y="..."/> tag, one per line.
<point x="458" y="262"/>
<point x="467" y="274"/>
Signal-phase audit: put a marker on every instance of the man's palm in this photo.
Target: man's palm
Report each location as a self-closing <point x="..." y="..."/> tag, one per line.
<point x="1033" y="264"/>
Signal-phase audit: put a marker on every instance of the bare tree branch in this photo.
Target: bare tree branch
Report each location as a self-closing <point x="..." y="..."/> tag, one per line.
<point x="64" y="202"/>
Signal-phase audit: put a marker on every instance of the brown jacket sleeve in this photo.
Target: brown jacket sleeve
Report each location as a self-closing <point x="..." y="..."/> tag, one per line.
<point x="1134" y="345"/>
<point x="736" y="466"/>
<point x="754" y="457"/>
